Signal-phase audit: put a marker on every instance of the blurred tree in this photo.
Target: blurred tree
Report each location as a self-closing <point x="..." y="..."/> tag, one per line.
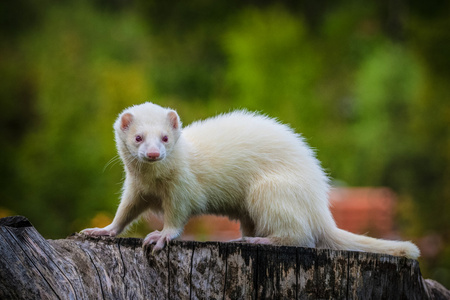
<point x="271" y="68"/>
<point x="428" y="30"/>
<point x="86" y="67"/>
<point x="16" y="90"/>
<point x="385" y="87"/>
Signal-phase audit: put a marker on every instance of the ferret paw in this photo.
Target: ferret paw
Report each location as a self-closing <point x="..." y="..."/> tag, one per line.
<point x="99" y="231"/>
<point x="253" y="240"/>
<point x="161" y="238"/>
<point x="239" y="240"/>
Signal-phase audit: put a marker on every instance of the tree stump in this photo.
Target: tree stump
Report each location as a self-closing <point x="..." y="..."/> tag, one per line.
<point x="82" y="267"/>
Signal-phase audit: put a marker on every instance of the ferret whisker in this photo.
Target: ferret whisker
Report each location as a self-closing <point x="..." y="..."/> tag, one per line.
<point x="111" y="162"/>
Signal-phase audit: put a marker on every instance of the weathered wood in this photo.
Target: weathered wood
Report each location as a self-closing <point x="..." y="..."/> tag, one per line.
<point x="82" y="267"/>
<point x="208" y="271"/>
<point x="241" y="269"/>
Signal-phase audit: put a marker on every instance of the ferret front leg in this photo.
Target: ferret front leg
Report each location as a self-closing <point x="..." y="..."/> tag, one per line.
<point x="130" y="207"/>
<point x="170" y="231"/>
<point x="176" y="215"/>
<point x="161" y="238"/>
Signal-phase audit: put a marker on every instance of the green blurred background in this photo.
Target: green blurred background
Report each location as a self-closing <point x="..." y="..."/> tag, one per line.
<point x="366" y="82"/>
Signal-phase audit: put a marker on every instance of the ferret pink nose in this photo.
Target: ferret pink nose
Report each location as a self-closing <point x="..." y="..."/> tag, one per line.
<point x="153" y="154"/>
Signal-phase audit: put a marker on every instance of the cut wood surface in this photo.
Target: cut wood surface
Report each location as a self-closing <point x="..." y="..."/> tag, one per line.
<point x="82" y="267"/>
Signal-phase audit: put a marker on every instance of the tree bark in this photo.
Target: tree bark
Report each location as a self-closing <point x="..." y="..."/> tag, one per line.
<point x="82" y="267"/>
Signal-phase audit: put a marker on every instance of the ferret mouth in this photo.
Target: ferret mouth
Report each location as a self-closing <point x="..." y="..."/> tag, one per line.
<point x="152" y="160"/>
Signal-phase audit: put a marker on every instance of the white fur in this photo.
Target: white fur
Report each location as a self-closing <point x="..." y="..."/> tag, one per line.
<point x="243" y="165"/>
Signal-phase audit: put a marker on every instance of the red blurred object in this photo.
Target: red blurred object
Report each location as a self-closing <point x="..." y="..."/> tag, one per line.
<point x="364" y="210"/>
<point x="211" y="228"/>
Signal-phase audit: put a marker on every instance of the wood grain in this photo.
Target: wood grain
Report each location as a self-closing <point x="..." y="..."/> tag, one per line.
<point x="82" y="267"/>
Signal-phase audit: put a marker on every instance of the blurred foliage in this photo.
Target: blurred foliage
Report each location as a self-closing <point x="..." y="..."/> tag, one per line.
<point x="367" y="84"/>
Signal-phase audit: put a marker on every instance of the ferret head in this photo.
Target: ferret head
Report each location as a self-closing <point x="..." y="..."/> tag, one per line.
<point x="147" y="132"/>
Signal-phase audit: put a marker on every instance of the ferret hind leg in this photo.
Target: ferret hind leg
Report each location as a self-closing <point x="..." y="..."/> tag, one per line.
<point x="247" y="230"/>
<point x="274" y="206"/>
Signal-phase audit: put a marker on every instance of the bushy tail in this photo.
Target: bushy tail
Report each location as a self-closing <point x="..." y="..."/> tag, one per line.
<point x="343" y="240"/>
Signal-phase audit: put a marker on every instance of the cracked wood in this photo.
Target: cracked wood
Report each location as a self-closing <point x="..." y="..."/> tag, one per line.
<point x="81" y="267"/>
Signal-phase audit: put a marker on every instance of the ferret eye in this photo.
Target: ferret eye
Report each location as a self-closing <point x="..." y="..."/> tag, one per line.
<point x="165" y="139"/>
<point x="138" y="138"/>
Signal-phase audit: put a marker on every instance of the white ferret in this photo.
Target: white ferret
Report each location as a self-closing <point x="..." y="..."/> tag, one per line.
<point x="243" y="165"/>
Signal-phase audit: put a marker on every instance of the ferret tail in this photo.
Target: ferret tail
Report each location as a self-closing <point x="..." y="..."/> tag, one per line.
<point x="340" y="239"/>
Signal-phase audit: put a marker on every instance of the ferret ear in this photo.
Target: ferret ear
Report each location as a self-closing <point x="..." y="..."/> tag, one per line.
<point x="174" y="119"/>
<point x="125" y="121"/>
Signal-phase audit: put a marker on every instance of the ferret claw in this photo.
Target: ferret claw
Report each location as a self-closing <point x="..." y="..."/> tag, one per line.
<point x="155" y="237"/>
<point x="161" y="238"/>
